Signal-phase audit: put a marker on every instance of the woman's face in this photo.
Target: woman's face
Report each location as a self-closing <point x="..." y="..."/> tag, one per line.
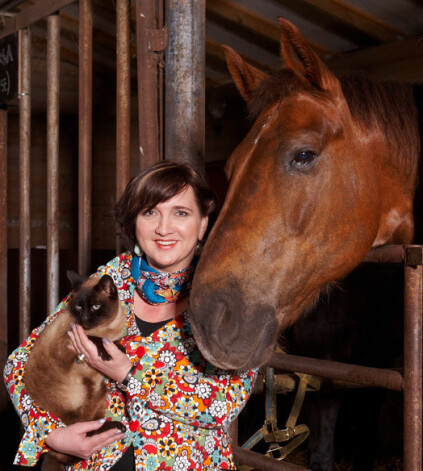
<point x="168" y="233"/>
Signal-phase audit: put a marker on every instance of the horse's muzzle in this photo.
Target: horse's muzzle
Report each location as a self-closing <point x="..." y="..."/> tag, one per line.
<point x="230" y="334"/>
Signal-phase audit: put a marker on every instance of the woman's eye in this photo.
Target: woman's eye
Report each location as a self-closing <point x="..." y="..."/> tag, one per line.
<point x="96" y="307"/>
<point x="149" y="212"/>
<point x="304" y="157"/>
<point x="181" y="213"/>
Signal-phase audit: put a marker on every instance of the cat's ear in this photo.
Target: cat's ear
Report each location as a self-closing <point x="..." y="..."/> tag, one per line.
<point x="75" y="279"/>
<point x="107" y="285"/>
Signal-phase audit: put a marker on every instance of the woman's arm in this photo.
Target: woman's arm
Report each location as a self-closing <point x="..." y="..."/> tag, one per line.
<point x="37" y="422"/>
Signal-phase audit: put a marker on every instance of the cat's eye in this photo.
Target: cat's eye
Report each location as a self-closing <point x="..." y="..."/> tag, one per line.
<point x="96" y="307"/>
<point x="78" y="308"/>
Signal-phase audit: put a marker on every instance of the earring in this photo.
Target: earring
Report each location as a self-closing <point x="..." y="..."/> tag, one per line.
<point x="199" y="248"/>
<point x="137" y="250"/>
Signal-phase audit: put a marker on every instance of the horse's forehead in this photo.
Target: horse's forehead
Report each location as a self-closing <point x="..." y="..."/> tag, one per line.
<point x="303" y="110"/>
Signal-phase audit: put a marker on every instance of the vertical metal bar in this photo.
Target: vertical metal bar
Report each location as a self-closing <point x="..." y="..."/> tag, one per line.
<point x="85" y="136"/>
<point x="24" y="183"/>
<point x="4" y="347"/>
<point x="147" y="85"/>
<point x="185" y="82"/>
<point x="123" y="100"/>
<point x="160" y="25"/>
<point x="413" y="363"/>
<point x="53" y="69"/>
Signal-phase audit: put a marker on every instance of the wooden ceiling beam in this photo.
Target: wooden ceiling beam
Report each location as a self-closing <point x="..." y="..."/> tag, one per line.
<point x="250" y="20"/>
<point x="30" y="15"/>
<point x="214" y="48"/>
<point x="358" y="19"/>
<point x="378" y="56"/>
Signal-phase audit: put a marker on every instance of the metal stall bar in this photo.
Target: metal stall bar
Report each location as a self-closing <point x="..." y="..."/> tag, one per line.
<point x="24" y="182"/>
<point x="185" y="82"/>
<point x="123" y="100"/>
<point x="4" y="347"/>
<point x="363" y="375"/>
<point x="148" y="43"/>
<point x="53" y="70"/>
<point x="85" y="136"/>
<point x="386" y="254"/>
<point x="123" y="96"/>
<point x="413" y="360"/>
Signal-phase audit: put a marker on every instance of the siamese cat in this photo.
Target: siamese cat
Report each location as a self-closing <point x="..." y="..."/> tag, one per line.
<point x="56" y="382"/>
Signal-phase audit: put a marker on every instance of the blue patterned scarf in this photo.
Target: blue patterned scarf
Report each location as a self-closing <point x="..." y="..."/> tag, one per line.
<point x="157" y="287"/>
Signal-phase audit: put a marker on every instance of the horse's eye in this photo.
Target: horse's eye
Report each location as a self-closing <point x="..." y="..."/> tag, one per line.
<point x="304" y="157"/>
<point x="96" y="307"/>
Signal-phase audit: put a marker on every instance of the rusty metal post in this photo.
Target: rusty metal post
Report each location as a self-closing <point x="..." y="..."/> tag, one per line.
<point x="4" y="345"/>
<point x="148" y="121"/>
<point x="123" y="100"/>
<point x="53" y="69"/>
<point x="24" y="182"/>
<point x="185" y="82"/>
<point x="85" y="136"/>
<point x="413" y="360"/>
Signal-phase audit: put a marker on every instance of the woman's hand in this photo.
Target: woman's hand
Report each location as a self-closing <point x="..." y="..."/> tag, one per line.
<point x="117" y="368"/>
<point x="73" y="439"/>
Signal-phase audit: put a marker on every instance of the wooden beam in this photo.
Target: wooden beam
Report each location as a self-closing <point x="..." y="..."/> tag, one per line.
<point x="214" y="48"/>
<point x="250" y="20"/>
<point x="37" y="11"/>
<point x="358" y="19"/>
<point x="373" y="57"/>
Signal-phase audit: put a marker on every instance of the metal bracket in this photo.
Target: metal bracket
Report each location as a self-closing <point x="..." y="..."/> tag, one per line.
<point x="156" y="39"/>
<point x="413" y="256"/>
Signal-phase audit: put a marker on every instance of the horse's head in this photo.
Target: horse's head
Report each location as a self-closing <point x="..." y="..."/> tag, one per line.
<point x="311" y="191"/>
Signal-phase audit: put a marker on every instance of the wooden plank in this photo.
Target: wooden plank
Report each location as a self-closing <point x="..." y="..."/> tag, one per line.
<point x="373" y="57"/>
<point x="358" y="19"/>
<point x="39" y="10"/>
<point x="214" y="48"/>
<point x="250" y="20"/>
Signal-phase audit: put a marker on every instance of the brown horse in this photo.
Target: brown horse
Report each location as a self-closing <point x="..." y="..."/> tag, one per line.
<point x="327" y="171"/>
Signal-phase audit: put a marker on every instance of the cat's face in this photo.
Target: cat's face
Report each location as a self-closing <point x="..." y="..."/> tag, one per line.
<point x="94" y="302"/>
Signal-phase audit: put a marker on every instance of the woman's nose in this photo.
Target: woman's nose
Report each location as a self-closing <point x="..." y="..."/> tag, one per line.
<point x="163" y="226"/>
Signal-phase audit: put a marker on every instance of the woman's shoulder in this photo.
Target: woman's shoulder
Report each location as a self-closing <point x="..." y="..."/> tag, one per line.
<point x="119" y="265"/>
<point x="119" y="268"/>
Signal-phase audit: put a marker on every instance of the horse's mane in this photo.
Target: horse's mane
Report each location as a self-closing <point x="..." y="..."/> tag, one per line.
<point x="386" y="104"/>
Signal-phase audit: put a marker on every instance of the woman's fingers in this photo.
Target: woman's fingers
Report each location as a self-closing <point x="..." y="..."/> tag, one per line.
<point x="101" y="440"/>
<point x="81" y="342"/>
<point x="73" y="439"/>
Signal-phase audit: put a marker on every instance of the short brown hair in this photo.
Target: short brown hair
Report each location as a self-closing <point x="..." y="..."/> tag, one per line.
<point x="161" y="182"/>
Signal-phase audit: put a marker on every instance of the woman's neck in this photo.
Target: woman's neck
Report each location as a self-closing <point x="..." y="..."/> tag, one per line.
<point x="149" y="313"/>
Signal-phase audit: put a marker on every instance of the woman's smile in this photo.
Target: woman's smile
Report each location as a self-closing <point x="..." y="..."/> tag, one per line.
<point x="165" y="244"/>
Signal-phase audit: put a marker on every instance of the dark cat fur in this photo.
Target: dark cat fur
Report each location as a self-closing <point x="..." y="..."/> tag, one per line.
<point x="73" y="391"/>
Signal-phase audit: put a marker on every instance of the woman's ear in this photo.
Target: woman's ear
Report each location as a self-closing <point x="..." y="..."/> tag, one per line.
<point x="203" y="227"/>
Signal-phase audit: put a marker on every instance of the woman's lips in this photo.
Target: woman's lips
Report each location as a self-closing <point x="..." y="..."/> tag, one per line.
<point x="165" y="244"/>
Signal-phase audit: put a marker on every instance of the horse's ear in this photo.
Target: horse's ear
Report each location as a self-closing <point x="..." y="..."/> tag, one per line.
<point x="246" y="77"/>
<point x="301" y="59"/>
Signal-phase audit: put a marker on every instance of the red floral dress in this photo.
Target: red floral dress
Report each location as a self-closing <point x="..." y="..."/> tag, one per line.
<point x="177" y="407"/>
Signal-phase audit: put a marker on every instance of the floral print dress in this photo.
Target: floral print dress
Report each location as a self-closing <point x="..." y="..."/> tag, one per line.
<point x="177" y="407"/>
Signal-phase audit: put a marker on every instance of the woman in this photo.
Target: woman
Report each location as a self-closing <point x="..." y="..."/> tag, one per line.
<point x="177" y="407"/>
